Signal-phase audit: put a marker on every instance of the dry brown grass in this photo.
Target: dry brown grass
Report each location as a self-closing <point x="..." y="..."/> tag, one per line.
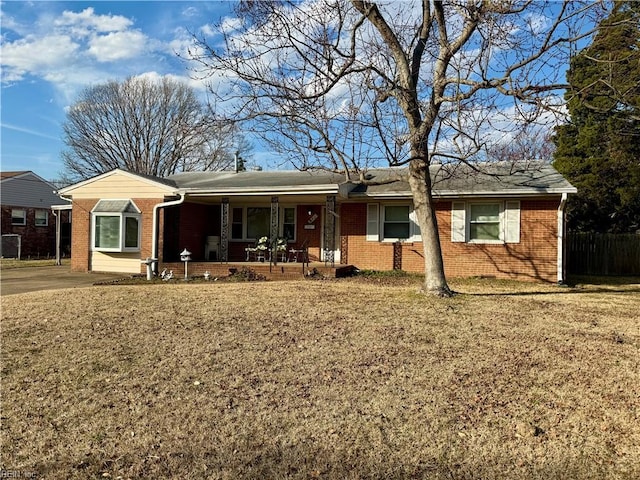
<point x="322" y="379"/>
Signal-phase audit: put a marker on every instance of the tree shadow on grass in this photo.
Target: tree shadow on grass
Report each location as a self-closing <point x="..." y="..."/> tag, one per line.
<point x="313" y="461"/>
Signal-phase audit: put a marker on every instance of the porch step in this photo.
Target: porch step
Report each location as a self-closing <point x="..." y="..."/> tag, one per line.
<point x="281" y="271"/>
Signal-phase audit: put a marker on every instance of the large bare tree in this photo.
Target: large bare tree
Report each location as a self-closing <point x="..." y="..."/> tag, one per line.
<point x="145" y="126"/>
<point x="348" y="84"/>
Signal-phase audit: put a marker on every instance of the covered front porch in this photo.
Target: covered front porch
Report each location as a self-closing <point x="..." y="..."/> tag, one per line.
<point x="224" y="230"/>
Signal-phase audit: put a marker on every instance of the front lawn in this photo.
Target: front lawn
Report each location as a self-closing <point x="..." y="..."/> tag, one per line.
<point x="342" y="379"/>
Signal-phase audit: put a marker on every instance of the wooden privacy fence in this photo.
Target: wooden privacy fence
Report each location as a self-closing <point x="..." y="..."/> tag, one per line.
<point x="603" y="254"/>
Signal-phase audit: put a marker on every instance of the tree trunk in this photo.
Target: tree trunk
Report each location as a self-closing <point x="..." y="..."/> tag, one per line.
<point x="420" y="183"/>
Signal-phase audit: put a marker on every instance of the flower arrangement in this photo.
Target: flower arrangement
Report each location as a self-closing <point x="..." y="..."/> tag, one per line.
<point x="262" y="243"/>
<point x="281" y="244"/>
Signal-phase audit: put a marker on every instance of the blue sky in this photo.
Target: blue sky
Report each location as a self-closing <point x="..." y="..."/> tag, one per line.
<point x="52" y="50"/>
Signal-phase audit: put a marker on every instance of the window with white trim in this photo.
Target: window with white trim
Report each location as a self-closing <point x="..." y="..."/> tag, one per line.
<point x="392" y="222"/>
<point x="289" y="223"/>
<point x="395" y="222"/>
<point x="484" y="222"/>
<point x="18" y="216"/>
<point x="492" y="221"/>
<point x="258" y="222"/>
<point x="252" y="222"/>
<point x="42" y="218"/>
<point x="115" y="226"/>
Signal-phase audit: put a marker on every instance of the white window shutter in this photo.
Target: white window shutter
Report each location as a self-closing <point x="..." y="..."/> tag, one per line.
<point x="512" y="221"/>
<point x="458" y="222"/>
<point x="373" y="220"/>
<point x="415" y="226"/>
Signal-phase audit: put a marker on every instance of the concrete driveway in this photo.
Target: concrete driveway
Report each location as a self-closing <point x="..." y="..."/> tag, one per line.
<point x="32" y="279"/>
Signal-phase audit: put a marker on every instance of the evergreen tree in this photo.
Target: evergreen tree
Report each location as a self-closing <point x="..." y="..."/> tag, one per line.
<point x="599" y="150"/>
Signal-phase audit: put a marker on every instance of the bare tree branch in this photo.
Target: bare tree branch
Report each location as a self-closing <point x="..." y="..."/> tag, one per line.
<point x="156" y="128"/>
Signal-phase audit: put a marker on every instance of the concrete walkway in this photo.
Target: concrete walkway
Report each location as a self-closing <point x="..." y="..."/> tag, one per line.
<point x="32" y="279"/>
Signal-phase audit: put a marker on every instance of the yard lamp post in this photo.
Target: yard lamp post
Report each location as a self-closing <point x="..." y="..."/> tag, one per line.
<point x="149" y="262"/>
<point x="185" y="256"/>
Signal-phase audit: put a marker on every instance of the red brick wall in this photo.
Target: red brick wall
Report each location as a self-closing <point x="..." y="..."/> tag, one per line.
<point x="81" y="231"/>
<point x="194" y="219"/>
<point x="534" y="258"/>
<point x="81" y="234"/>
<point x="146" y="209"/>
<point x="360" y="252"/>
<point x="314" y="236"/>
<point x="36" y="241"/>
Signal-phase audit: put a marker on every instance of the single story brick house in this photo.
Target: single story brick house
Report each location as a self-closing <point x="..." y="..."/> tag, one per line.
<point x="32" y="217"/>
<point x="499" y="223"/>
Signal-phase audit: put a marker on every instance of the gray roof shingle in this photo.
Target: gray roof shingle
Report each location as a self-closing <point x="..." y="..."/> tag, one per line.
<point x="464" y="180"/>
<point x="253" y="179"/>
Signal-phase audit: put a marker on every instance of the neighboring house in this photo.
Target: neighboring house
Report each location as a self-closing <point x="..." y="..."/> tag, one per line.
<point x="498" y="225"/>
<point x="28" y="220"/>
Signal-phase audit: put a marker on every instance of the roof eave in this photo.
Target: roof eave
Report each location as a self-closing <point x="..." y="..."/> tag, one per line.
<point x="468" y="194"/>
<point x="329" y="189"/>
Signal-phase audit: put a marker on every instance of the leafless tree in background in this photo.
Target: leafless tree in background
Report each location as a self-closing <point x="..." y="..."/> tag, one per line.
<point x="348" y="84"/>
<point x="528" y="149"/>
<point x="145" y="126"/>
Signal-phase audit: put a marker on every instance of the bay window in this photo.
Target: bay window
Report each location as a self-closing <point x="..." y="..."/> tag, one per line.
<point x="115" y="226"/>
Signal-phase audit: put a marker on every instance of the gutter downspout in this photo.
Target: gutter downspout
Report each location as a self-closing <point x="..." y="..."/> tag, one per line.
<point x="58" y="260"/>
<point x="58" y="226"/>
<point x="154" y="231"/>
<point x="561" y="241"/>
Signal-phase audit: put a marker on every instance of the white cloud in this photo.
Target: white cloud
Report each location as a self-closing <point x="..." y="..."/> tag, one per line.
<point x="87" y="19"/>
<point x="31" y="55"/>
<point x="117" y="46"/>
<point x="72" y="50"/>
<point x="190" y="12"/>
<point x="537" y="23"/>
<point x="28" y="131"/>
<point x="208" y="30"/>
<point x="230" y="24"/>
<point x="156" y="77"/>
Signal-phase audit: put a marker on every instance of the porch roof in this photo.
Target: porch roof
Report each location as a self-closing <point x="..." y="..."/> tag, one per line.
<point x="257" y="182"/>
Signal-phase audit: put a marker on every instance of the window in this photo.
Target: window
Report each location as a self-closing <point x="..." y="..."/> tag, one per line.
<point x="396" y="222"/>
<point x="42" y="218"/>
<point x="107" y="231"/>
<point x="253" y="222"/>
<point x="289" y="223"/>
<point x="18" y="216"/>
<point x="236" y="223"/>
<point x="116" y="226"/>
<point x="258" y="222"/>
<point x="486" y="222"/>
<point x="392" y="223"/>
